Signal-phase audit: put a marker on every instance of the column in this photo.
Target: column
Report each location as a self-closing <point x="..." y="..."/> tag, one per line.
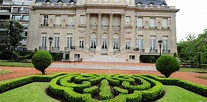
<point x="122" y="37"/>
<point x="98" y="47"/>
<point x="110" y="47"/>
<point x="87" y="39"/>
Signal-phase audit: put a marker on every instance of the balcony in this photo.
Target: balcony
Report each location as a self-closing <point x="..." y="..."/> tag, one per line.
<point x="42" y="47"/>
<point x="155" y="6"/>
<point x="69" y="48"/>
<point x="153" y="50"/>
<point x="116" y="27"/>
<point x="55" y="48"/>
<point x="165" y="51"/>
<point x="140" y="50"/>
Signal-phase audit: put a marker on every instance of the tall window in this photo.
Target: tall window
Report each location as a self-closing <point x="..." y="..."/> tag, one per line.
<point x="16" y="9"/>
<point x="16" y="17"/>
<point x="165" y="23"/>
<point x="128" y="20"/>
<point x="25" y="17"/>
<point x="116" y="41"/>
<point x="82" y="19"/>
<point x="128" y="41"/>
<point x="140" y="42"/>
<point x="165" y="43"/>
<point x="93" y="41"/>
<point x="104" y="41"/>
<point x="56" y="42"/>
<point x="45" y="18"/>
<point x="116" y="21"/>
<point x="25" y="9"/>
<point x="81" y="42"/>
<point x="44" y="39"/>
<point x="57" y="21"/>
<point x="152" y="42"/>
<point x="140" y="22"/>
<point x="69" y="42"/>
<point x="71" y="20"/>
<point x="152" y="22"/>
<point x="105" y="20"/>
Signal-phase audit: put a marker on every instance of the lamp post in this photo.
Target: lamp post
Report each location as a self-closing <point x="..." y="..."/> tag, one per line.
<point x="160" y="45"/>
<point x="50" y="41"/>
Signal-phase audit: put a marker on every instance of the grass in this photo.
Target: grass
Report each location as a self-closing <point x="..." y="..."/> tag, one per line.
<point x="202" y="77"/>
<point x="33" y="92"/>
<point x="15" y="64"/>
<point x="4" y="72"/>
<point x="197" y="70"/>
<point x="177" y="94"/>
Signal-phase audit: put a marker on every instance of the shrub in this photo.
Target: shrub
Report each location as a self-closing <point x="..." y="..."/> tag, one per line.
<point x="167" y="64"/>
<point x="6" y="55"/>
<point x="41" y="60"/>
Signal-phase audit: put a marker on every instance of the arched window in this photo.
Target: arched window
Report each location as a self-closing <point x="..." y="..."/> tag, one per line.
<point x="93" y="41"/>
<point x="139" y="3"/>
<point x="151" y="3"/>
<point x="115" y="41"/>
<point x="104" y="41"/>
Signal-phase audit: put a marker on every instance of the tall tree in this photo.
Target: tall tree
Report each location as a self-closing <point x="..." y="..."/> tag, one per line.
<point x="14" y="30"/>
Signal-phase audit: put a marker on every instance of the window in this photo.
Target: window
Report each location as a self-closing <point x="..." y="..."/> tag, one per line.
<point x="57" y="21"/>
<point x="116" y="21"/>
<point x="105" y="1"/>
<point x="76" y="55"/>
<point x="152" y="22"/>
<point x="45" y="18"/>
<point x="165" y="23"/>
<point x="16" y="17"/>
<point x="140" y="42"/>
<point x="132" y="57"/>
<point x="81" y="42"/>
<point x="82" y="19"/>
<point x="104" y="41"/>
<point x="25" y="17"/>
<point x="128" y="20"/>
<point x="16" y="10"/>
<point x="152" y="42"/>
<point x="70" y="20"/>
<point x="165" y="43"/>
<point x="105" y="21"/>
<point x="69" y="42"/>
<point x="56" y="42"/>
<point x="25" y="10"/>
<point x="44" y="39"/>
<point x="93" y="41"/>
<point x="25" y="25"/>
<point x="116" y="41"/>
<point x="116" y="0"/>
<point x="140" y="22"/>
<point x="128" y="43"/>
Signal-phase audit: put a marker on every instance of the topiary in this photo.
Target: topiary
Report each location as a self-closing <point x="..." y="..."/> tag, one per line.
<point x="167" y="64"/>
<point x="41" y="60"/>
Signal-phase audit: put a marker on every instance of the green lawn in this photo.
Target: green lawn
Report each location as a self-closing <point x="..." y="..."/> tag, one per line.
<point x="202" y="77"/>
<point x="33" y="92"/>
<point x="15" y="64"/>
<point x="4" y="72"/>
<point x="177" y="94"/>
<point x="197" y="70"/>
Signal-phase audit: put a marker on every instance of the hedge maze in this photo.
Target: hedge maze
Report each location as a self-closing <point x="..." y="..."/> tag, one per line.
<point x="105" y="87"/>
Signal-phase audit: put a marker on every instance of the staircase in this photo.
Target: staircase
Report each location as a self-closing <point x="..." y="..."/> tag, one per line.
<point x="102" y="58"/>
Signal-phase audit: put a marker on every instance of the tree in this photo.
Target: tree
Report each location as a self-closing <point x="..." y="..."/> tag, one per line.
<point x="14" y="32"/>
<point x="167" y="64"/>
<point x="41" y="60"/>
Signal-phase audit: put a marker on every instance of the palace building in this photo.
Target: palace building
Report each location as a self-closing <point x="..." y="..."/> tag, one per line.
<point x="117" y="29"/>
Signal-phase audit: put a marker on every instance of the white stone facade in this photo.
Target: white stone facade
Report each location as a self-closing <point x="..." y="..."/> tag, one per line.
<point x="117" y="28"/>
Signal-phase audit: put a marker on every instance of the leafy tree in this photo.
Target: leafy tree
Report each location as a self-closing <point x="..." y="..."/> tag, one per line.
<point x="14" y="30"/>
<point x="41" y="60"/>
<point x="167" y="64"/>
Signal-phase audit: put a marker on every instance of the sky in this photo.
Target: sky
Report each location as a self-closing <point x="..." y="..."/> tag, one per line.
<point x="192" y="17"/>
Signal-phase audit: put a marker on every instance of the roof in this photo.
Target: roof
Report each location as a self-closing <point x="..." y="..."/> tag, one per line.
<point x="55" y="1"/>
<point x="147" y="2"/>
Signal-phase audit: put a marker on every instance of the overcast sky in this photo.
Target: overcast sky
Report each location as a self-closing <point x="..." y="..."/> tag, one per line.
<point x="192" y="17"/>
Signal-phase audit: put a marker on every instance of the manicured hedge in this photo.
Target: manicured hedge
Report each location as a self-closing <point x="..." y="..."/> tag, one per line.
<point x="10" y="84"/>
<point x="197" y="88"/>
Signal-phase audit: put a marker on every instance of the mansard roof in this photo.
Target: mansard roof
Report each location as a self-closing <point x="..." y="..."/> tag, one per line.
<point x="148" y="2"/>
<point x="55" y="1"/>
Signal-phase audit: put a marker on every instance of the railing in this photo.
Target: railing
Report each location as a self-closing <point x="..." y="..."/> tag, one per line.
<point x="153" y="50"/>
<point x="42" y="47"/>
<point x="5" y="11"/>
<point x="56" y="4"/>
<point x="155" y="6"/>
<point x="80" y="48"/>
<point x="55" y="48"/>
<point x="165" y="51"/>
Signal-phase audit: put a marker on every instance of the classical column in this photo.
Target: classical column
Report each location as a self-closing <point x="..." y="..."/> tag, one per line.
<point x="122" y="37"/>
<point x="87" y="38"/>
<point x="98" y="47"/>
<point x="110" y="48"/>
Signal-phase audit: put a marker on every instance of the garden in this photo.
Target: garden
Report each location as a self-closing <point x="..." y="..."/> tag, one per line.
<point x="75" y="87"/>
